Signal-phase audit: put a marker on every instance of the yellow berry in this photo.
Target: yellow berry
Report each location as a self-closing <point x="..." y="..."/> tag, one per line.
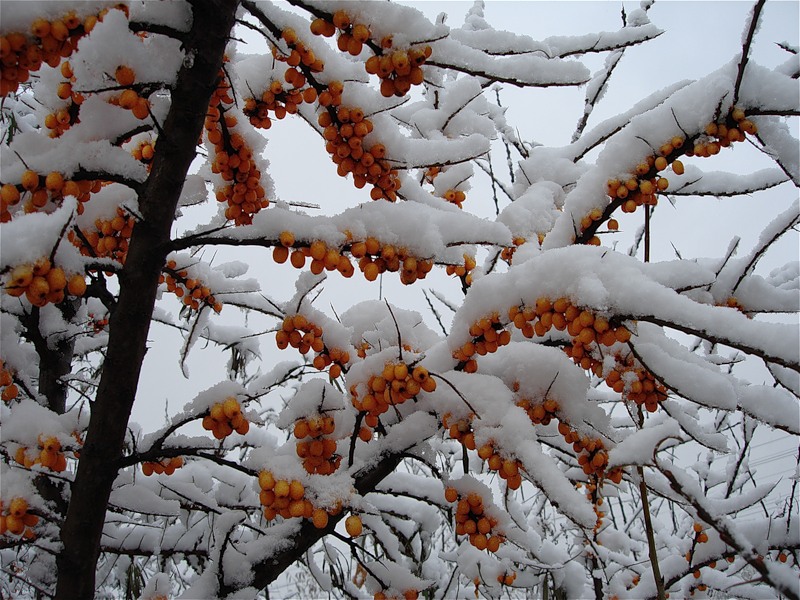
<point x="353" y="525"/>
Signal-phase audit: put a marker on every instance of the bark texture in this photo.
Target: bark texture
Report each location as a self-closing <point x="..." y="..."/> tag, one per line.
<point x="129" y="324"/>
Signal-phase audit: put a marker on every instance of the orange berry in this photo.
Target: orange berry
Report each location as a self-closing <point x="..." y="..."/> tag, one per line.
<point x="341" y="20"/>
<point x="266" y="481"/>
<point x="296" y="490"/>
<point x="298" y="259"/>
<point x="280" y="254"/>
<point x="353" y="525"/>
<point x="30" y="180"/>
<point x="124" y="75"/>
<point x="320" y="518"/>
<point x="18" y="507"/>
<point x="231" y="407"/>
<point x="281" y="488"/>
<point x="141" y="109"/>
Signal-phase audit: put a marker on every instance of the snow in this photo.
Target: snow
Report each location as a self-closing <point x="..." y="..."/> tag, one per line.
<point x="20" y="18"/>
<point x="112" y="44"/>
<point x="598" y="279"/>
<point x="725" y="368"/>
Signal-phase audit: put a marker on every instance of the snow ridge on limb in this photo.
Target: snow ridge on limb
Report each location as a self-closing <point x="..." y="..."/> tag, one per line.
<point x="591" y="277"/>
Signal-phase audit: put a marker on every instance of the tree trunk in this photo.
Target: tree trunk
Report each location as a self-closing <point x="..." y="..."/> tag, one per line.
<point x="129" y="324"/>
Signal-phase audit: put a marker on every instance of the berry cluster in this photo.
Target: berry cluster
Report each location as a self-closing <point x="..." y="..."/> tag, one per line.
<point x="453" y="195"/>
<point x="540" y="413"/>
<point x="463" y="272"/>
<point x="352" y="36"/>
<point x="594" y="215"/>
<point x="460" y="430"/>
<point x="734" y="128"/>
<point x="68" y="115"/>
<point x="323" y="257"/>
<point x="17" y="520"/>
<point x="42" y="283"/>
<point x="332" y="95"/>
<point x="10" y="389"/>
<point x="190" y="289"/>
<point x="49" y="43"/>
<point x="641" y="187"/>
<point x="472" y="520"/>
<point x="287" y="498"/>
<point x="344" y="131"/>
<point x="298" y="332"/>
<point x="278" y="100"/>
<point x="596" y="499"/>
<point x="396" y="384"/>
<point x="636" y="383"/>
<point x="61" y="120"/>
<point x="233" y="160"/>
<point x="508" y="468"/>
<point x="456" y="197"/>
<point x="108" y="239"/>
<point x="226" y="417"/>
<point x="375" y="258"/>
<point x="507" y="254"/>
<point x="166" y="466"/>
<point x="41" y="189"/>
<point x="398" y="69"/>
<point x="64" y="89"/>
<point x="299" y="53"/>
<point x="592" y="456"/>
<point x="581" y="325"/>
<point x="144" y="152"/>
<point x="699" y="537"/>
<point x="130" y="99"/>
<point x="487" y="336"/>
<point x="48" y="454"/>
<point x="507" y="578"/>
<point x="315" y="445"/>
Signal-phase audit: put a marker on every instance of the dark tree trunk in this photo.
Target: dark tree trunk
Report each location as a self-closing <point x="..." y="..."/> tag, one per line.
<point x="130" y="321"/>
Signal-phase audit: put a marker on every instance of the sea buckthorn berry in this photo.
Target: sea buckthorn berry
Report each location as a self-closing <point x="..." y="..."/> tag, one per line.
<point x="393" y="386"/>
<point x="241" y="187"/>
<point x="224" y="418"/>
<point x="191" y="291"/>
<point x="472" y="520"/>
<point x="165" y="466"/>
<point x="353" y="526"/>
<point x="124" y="75"/>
